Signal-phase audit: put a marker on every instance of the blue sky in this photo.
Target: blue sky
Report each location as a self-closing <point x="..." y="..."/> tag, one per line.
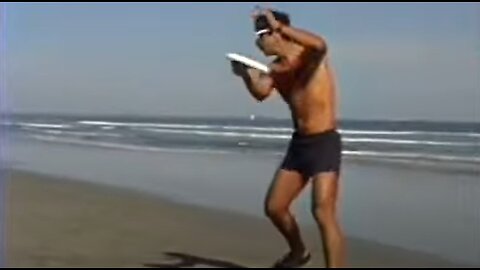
<point x="393" y="61"/>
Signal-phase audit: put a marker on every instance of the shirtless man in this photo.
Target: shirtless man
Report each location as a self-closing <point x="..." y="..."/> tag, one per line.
<point x="301" y="74"/>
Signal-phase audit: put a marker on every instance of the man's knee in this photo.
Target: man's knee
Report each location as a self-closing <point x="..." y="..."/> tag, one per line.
<point x="275" y="210"/>
<point x="324" y="211"/>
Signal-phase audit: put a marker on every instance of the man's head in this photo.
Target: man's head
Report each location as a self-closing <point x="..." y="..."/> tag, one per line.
<point x="268" y="40"/>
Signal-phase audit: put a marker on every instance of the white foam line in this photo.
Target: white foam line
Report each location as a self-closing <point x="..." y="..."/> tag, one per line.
<point x="410" y="132"/>
<point x="36" y="125"/>
<point x="185" y="126"/>
<point x="219" y="134"/>
<point x="416" y="142"/>
<point x="126" y="124"/>
<point x="410" y="156"/>
<point x="79" y="133"/>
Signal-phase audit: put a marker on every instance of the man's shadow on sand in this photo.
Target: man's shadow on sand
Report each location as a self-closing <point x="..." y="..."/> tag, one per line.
<point x="186" y="260"/>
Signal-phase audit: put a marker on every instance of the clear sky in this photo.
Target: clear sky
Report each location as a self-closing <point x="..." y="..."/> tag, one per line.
<point x="393" y="61"/>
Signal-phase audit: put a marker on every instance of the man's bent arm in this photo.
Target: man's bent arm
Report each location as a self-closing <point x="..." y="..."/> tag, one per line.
<point x="303" y="37"/>
<point x="259" y="84"/>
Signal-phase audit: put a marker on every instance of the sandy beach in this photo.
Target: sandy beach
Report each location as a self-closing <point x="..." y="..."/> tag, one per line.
<point x="63" y="222"/>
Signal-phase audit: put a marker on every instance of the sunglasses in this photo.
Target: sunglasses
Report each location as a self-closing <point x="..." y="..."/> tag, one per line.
<point x="263" y="32"/>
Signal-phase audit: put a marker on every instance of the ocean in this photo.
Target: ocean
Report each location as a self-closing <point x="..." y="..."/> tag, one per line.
<point x="404" y="142"/>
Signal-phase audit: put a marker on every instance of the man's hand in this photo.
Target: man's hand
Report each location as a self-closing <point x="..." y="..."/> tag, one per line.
<point x="238" y="68"/>
<point x="274" y="24"/>
<point x="300" y="36"/>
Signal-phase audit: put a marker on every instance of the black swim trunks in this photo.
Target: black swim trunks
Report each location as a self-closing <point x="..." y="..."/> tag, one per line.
<point x="312" y="154"/>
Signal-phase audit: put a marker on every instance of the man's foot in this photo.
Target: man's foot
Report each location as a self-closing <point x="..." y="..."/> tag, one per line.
<point x="291" y="260"/>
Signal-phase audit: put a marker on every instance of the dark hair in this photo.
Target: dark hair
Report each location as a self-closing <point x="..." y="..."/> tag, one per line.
<point x="262" y="23"/>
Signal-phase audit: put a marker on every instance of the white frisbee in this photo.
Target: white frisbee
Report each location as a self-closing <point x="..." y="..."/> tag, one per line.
<point x="248" y="62"/>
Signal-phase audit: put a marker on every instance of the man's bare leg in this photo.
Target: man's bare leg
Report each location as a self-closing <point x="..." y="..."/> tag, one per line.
<point x="325" y="194"/>
<point x="286" y="186"/>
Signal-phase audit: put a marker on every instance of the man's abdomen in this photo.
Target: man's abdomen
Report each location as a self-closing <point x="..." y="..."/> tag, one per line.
<point x="313" y="114"/>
